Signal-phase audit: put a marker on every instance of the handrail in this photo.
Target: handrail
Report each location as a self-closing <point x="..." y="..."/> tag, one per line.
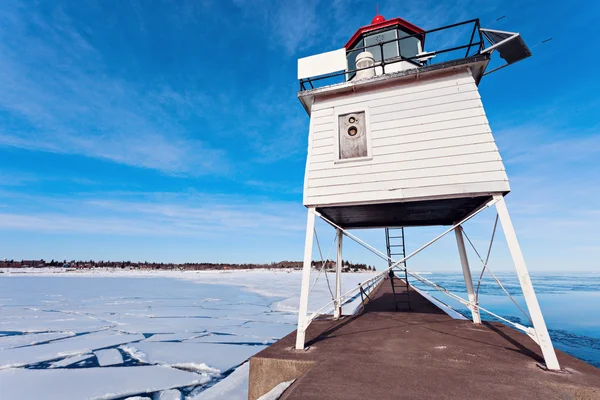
<point x="342" y="298"/>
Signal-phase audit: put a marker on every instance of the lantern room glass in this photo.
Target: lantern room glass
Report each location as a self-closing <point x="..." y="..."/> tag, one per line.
<point x="408" y="47"/>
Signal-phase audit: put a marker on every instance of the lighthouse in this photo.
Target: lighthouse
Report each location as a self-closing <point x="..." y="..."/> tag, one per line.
<point x="399" y="138"/>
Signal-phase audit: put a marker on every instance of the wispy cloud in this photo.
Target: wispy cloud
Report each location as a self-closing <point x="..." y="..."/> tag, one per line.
<point x="160" y="214"/>
<point x="292" y="25"/>
<point x="63" y="100"/>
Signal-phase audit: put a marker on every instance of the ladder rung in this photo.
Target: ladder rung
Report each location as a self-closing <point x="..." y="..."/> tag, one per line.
<point x="396" y="245"/>
<point x="395" y="237"/>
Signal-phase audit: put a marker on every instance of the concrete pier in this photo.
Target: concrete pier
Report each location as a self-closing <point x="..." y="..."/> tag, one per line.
<point x="383" y="353"/>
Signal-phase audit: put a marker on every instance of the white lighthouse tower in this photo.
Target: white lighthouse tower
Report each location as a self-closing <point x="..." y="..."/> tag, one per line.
<point x="399" y="138"/>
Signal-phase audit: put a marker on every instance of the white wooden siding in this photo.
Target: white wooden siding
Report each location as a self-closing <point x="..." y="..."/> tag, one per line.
<point x="429" y="138"/>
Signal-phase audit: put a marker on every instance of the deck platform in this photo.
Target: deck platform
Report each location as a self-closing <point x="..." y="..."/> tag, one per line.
<point x="383" y="353"/>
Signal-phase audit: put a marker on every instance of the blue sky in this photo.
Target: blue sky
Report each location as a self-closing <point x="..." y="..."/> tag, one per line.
<point x="170" y="131"/>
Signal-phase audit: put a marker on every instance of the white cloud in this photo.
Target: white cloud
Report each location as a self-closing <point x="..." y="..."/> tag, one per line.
<point x="54" y="82"/>
<point x="156" y="214"/>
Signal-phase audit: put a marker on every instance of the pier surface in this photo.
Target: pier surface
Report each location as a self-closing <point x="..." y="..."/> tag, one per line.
<point x="383" y="353"/>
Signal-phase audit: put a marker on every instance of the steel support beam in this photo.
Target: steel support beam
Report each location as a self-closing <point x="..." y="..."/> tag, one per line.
<point x="304" y="291"/>
<point x="531" y="300"/>
<point x="464" y="260"/>
<point x="337" y="311"/>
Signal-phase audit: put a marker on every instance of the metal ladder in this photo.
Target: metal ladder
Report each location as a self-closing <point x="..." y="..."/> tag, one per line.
<point x="394" y="243"/>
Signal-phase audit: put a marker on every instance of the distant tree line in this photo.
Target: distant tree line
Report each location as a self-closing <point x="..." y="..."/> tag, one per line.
<point x="329" y="265"/>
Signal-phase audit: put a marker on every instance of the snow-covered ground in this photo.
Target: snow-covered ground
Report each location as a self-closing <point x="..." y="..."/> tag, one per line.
<point x="155" y="334"/>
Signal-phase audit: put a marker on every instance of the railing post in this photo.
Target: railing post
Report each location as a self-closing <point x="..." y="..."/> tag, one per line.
<point x="481" y="44"/>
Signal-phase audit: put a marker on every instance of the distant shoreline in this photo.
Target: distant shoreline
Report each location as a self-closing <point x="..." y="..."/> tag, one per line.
<point x="151" y="266"/>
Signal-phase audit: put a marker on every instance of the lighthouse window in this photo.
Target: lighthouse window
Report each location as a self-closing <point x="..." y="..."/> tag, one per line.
<point x="390" y="50"/>
<point x="409" y="47"/>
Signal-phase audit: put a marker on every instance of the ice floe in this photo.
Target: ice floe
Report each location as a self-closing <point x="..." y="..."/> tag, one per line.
<point x="66" y="362"/>
<point x="221" y="357"/>
<point x="235" y="387"/>
<point x="11" y="341"/>
<point x="83" y="344"/>
<point x="109" y="357"/>
<point x="230" y="339"/>
<point x="172" y="394"/>
<point x="92" y="383"/>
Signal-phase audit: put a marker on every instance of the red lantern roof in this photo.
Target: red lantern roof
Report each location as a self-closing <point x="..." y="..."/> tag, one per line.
<point x="379" y="22"/>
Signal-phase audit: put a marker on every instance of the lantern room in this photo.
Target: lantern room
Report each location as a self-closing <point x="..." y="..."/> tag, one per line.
<point x="388" y="41"/>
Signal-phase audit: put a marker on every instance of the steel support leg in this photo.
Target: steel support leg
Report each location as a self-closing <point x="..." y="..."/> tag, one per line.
<point x="306" y="267"/>
<point x="537" y="318"/>
<point x="337" y="312"/>
<point x="464" y="260"/>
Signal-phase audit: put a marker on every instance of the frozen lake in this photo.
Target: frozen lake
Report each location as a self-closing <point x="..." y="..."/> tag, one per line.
<point x="117" y="334"/>
<point x="173" y="335"/>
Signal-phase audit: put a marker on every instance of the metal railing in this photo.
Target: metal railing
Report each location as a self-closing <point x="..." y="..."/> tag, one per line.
<point x="476" y="42"/>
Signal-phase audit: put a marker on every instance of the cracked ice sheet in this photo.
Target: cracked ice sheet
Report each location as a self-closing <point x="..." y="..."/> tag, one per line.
<point x="109" y="357"/>
<point x="28" y="339"/>
<point x="230" y="339"/>
<point x="222" y="357"/>
<point x="44" y="321"/>
<point x="73" y="346"/>
<point x="234" y="387"/>
<point x="265" y="330"/>
<point x="92" y="383"/>
<point x="174" y="337"/>
<point x="128" y="323"/>
<point x="65" y="362"/>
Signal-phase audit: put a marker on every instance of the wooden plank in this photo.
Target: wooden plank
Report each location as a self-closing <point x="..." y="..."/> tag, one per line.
<point x="387" y="176"/>
<point x="398" y="89"/>
<point x="428" y="136"/>
<point x="327" y="146"/>
<point x="326" y="162"/>
<point x="327" y="128"/>
<point x="349" y="169"/>
<point x="397" y="184"/>
<point x="324" y="120"/>
<point x="414" y="129"/>
<point x="427" y="96"/>
<point x="324" y="142"/>
<point x="466" y="125"/>
<point x="324" y="112"/>
<point x="427" y="119"/>
<point x="427" y="111"/>
<point x="400" y="97"/>
<point x="433" y="144"/>
<point x="457" y="97"/>
<point x="462" y="189"/>
<point x="466" y="189"/>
